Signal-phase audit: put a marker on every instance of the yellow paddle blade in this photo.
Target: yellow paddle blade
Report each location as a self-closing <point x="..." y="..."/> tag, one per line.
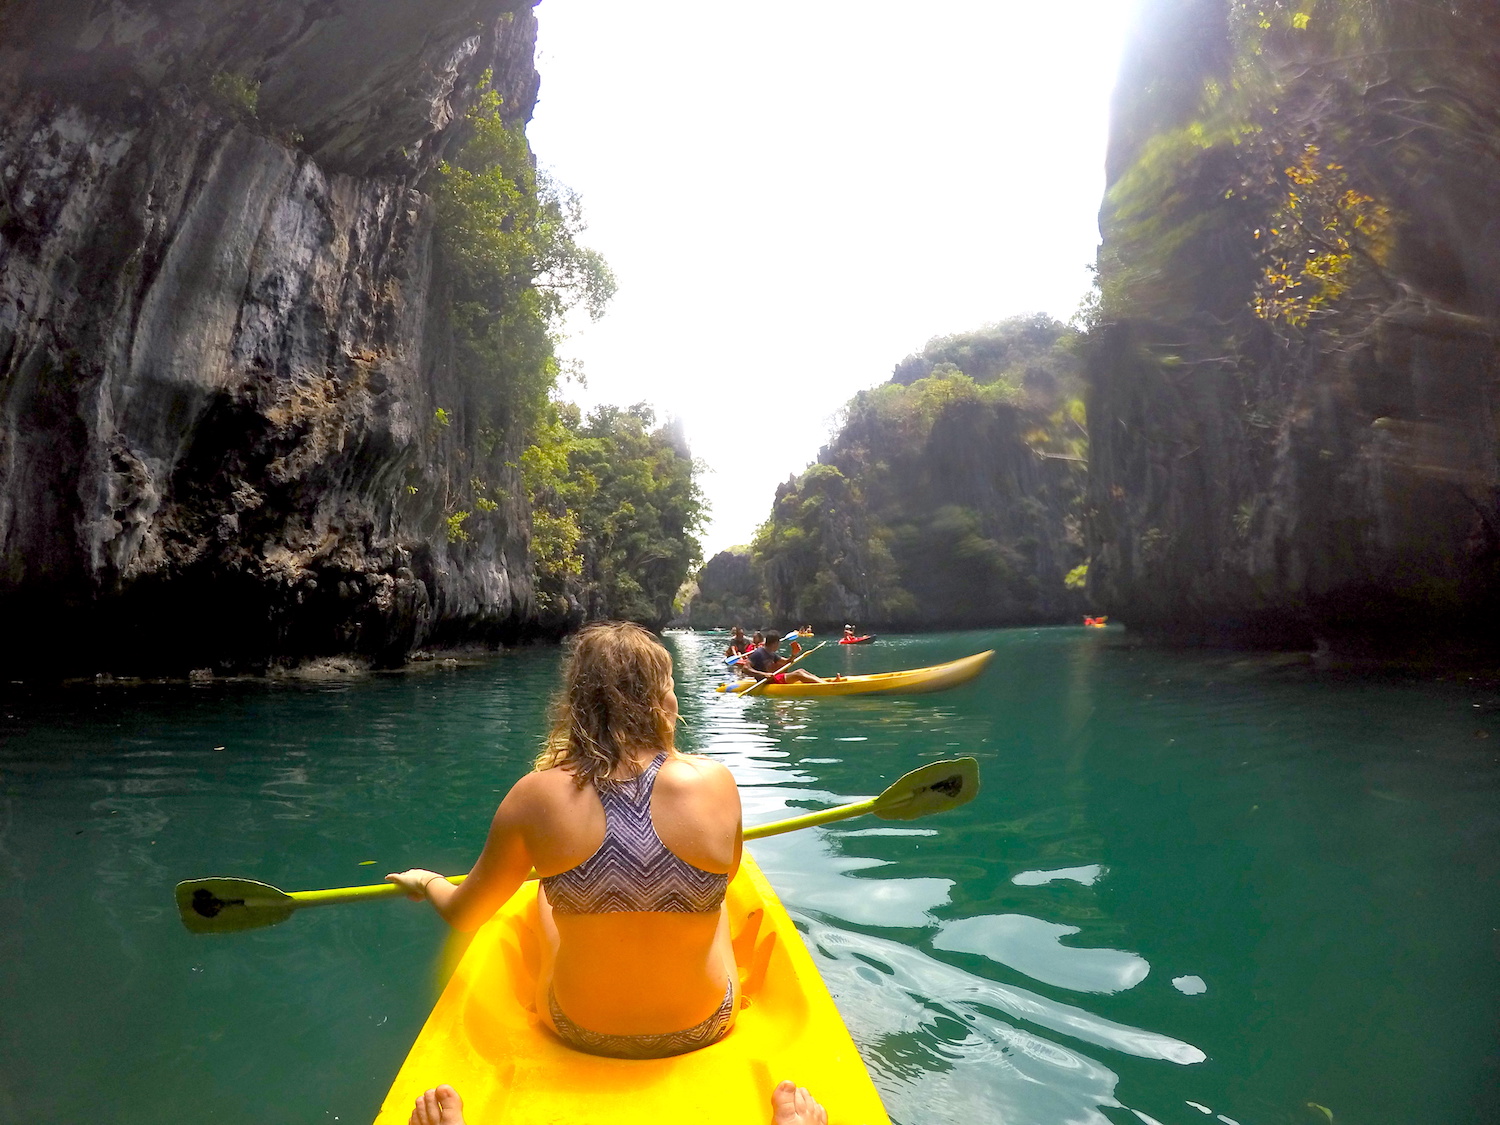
<point x="227" y="905"/>
<point x="933" y="788"/>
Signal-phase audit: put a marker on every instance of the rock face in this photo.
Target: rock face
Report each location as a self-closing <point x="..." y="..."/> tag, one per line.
<point x="951" y="497"/>
<point x="728" y="594"/>
<point x="223" y="341"/>
<point x="1330" y="473"/>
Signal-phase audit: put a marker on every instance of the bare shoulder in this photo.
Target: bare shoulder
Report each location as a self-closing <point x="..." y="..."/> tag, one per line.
<point x="539" y="789"/>
<point x="691" y="771"/>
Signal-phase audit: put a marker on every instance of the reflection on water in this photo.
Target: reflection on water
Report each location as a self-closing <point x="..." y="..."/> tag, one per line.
<point x="941" y="1053"/>
<point x="1193" y="887"/>
<point x="1088" y="874"/>
<point x="944" y="1044"/>
<point x="1034" y="947"/>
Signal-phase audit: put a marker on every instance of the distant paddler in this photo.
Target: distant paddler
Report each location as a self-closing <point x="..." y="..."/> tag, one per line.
<point x="736" y="660"/>
<point x="764" y="664"/>
<point x="739" y="644"/>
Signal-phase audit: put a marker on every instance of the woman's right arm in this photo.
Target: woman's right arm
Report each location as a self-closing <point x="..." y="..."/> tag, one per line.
<point x="500" y="870"/>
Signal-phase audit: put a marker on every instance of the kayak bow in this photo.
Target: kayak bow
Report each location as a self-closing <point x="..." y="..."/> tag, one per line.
<point x="484" y="1038"/>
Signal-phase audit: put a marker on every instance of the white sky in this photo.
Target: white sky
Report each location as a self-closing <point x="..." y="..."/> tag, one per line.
<point x="794" y="196"/>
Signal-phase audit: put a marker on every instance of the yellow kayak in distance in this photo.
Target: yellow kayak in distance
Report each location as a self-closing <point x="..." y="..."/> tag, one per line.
<point x="912" y="681"/>
<point x="484" y="1038"/>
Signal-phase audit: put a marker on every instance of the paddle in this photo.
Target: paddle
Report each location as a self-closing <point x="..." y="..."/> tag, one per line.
<point x="758" y="684"/>
<point x="224" y="905"/>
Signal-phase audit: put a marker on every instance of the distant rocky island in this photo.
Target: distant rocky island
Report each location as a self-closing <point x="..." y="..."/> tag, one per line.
<point x="1287" y="433"/>
<point x="950" y="497"/>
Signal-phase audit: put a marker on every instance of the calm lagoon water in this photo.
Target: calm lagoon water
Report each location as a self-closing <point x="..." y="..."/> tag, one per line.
<point x="1195" y="888"/>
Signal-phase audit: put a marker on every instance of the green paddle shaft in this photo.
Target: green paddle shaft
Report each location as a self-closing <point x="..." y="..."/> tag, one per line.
<point x="224" y="905"/>
<point x="811" y="820"/>
<point x="336" y="895"/>
<point x="758" y="684"/>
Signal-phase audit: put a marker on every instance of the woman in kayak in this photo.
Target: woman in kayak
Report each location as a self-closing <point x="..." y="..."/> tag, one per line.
<point x="635" y="844"/>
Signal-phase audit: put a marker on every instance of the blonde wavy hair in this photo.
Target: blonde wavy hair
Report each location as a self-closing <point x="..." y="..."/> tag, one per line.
<point x="612" y="702"/>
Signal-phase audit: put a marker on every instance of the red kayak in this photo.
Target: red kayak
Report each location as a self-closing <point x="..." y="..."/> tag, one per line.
<point x="857" y="640"/>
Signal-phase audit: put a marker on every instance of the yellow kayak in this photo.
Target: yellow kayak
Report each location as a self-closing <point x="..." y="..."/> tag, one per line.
<point x="939" y="677"/>
<point x="484" y="1038"/>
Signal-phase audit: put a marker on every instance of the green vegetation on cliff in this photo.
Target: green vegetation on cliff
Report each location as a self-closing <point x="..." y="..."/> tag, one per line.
<point x="1299" y="302"/>
<point x="615" y="512"/>
<point x="613" y="502"/>
<point x="1271" y="171"/>
<point x="511" y="254"/>
<point x="950" y="496"/>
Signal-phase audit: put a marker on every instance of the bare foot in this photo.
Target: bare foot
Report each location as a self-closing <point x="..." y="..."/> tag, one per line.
<point x="793" y="1105"/>
<point x="443" y="1106"/>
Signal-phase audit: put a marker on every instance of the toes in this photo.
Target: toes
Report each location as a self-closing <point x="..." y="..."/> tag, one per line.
<point x="426" y="1110"/>
<point x="450" y="1105"/>
<point x="783" y="1101"/>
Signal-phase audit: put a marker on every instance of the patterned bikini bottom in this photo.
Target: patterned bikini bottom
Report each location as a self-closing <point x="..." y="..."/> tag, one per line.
<point x="660" y="1046"/>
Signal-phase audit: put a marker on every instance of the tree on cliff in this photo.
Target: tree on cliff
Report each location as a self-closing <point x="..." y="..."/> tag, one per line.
<point x="616" y="509"/>
<point x="950" y="496"/>
<point x="510" y="242"/>
<point x="614" y="503"/>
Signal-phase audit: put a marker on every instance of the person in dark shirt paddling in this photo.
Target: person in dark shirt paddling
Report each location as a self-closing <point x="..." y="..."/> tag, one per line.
<point x="739" y="644"/>
<point x="741" y="664"/>
<point x="764" y="664"/>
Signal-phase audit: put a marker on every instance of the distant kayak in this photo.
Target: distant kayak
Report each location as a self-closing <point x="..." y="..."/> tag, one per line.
<point x="857" y="640"/>
<point x="1096" y="622"/>
<point x="912" y="681"/>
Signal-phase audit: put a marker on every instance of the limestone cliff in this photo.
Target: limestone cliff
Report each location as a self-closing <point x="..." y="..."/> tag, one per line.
<point x="949" y="498"/>
<point x="727" y="592"/>
<point x="223" y="334"/>
<point x="1292" y="400"/>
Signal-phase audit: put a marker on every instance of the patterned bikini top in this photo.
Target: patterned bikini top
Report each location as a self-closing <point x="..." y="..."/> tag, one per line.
<point x="633" y="870"/>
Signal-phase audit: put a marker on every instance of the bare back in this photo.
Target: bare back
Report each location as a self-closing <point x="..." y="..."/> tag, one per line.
<point x="632" y="972"/>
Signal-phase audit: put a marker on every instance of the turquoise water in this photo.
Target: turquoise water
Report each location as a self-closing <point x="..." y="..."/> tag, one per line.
<point x="1195" y="888"/>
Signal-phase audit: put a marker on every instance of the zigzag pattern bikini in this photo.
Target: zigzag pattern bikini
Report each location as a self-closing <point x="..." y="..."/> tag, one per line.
<point x="632" y="870"/>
